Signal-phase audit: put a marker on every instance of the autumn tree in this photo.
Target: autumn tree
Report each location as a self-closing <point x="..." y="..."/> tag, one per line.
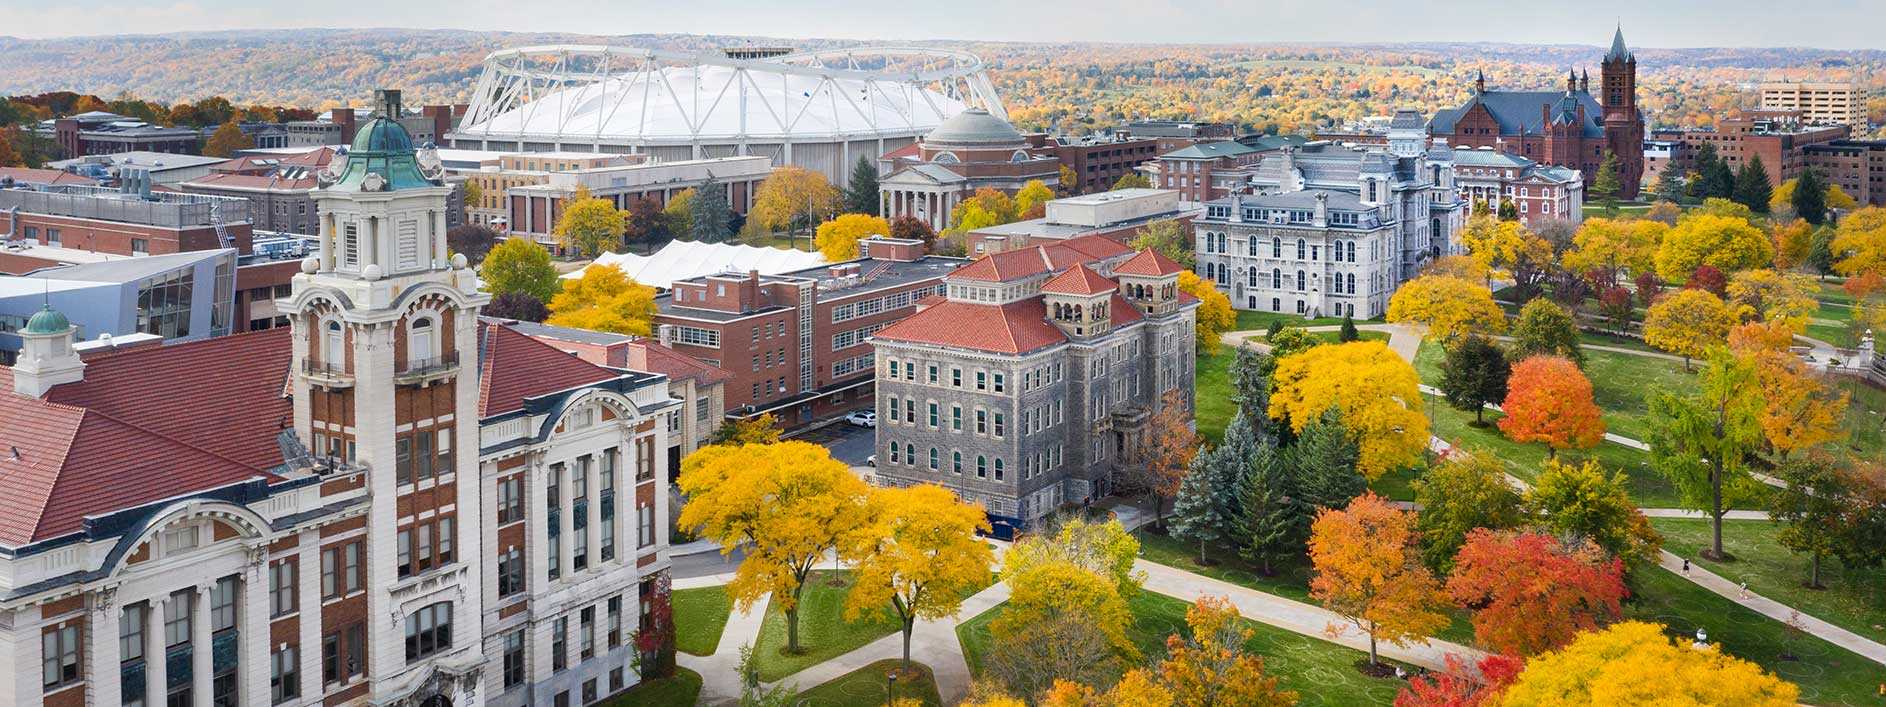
<point x="1764" y="295"/>
<point x="1031" y="201"/>
<point x="1214" y="315"/>
<point x="1368" y="572"/>
<point x="1687" y="323"/>
<point x="1170" y="238"/>
<point x="1132" y="181"/>
<point x="520" y="306"/>
<point x="1473" y="374"/>
<point x="784" y="504"/>
<point x="678" y="216"/>
<point x="474" y="241"/>
<point x="1708" y="279"/>
<point x="519" y="265"/>
<point x="1461" y="685"/>
<point x="1618" y="306"/>
<point x="861" y="189"/>
<point x="758" y="429"/>
<point x="1458" y="495"/>
<point x="474" y="195"/>
<point x="1549" y="400"/>
<point x="1068" y="181"/>
<point x="1378" y="392"/>
<point x="604" y="299"/>
<point x="1464" y="267"/>
<point x="1531" y="593"/>
<point x="1137" y="688"/>
<point x="227" y="139"/>
<point x="1061" y="622"/>
<point x="1723" y="242"/>
<point x="1508" y="246"/>
<point x="1614" y="247"/>
<point x="1605" y="186"/>
<point x="1701" y="440"/>
<point x="1581" y="500"/>
<point x="589" y="226"/>
<point x="1800" y="409"/>
<point x="1448" y="306"/>
<point x="1859" y="242"/>
<point x="1637" y="663"/>
<point x="1793" y="243"/>
<point x="1164" y="454"/>
<point x="918" y="558"/>
<point x="1212" y="667"/>
<point x="644" y="223"/>
<point x="1816" y="507"/>
<point x="793" y="198"/>
<point x="838" y="238"/>
<point x="1544" y="328"/>
<point x="912" y="228"/>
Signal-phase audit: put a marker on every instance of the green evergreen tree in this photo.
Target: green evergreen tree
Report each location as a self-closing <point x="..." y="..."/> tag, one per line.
<point x="861" y="194"/>
<point x="1276" y="325"/>
<point x="1473" y="374"/>
<point x="1671" y="186"/>
<point x="1751" y="186"/>
<point x="1605" y="185"/>
<point x="1348" y="332"/>
<point x="1251" y="389"/>
<point x="1272" y="521"/>
<point x="1546" y="328"/>
<point x="1206" y="508"/>
<point x="1703" y="165"/>
<point x="710" y="218"/>
<point x="1323" y="463"/>
<point x="1820" y="254"/>
<point x="1810" y="197"/>
<point x="1718" y="182"/>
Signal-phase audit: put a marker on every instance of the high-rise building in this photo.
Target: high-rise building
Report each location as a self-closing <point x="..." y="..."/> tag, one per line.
<point x="1832" y="103"/>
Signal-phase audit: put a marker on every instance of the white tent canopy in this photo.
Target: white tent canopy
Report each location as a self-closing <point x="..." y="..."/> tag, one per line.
<point x="680" y="260"/>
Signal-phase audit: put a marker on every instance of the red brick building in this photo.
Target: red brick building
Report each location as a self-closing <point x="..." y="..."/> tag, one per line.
<point x="1780" y="139"/>
<point x="1096" y="160"/>
<point x="1570" y="128"/>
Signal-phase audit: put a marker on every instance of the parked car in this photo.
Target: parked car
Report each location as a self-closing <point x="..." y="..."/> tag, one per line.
<point x="863" y="418"/>
<point x="871" y="460"/>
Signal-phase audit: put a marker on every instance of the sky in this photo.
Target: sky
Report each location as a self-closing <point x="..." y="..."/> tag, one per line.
<point x="1828" y="24"/>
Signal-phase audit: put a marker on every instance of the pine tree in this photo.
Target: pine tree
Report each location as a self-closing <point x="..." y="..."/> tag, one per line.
<point x="1474" y="374"/>
<point x="1251" y="388"/>
<point x="1704" y="164"/>
<point x="1810" y="197"/>
<point x="1820" y="254"/>
<point x="1272" y="522"/>
<point x="861" y="194"/>
<point x="1670" y="183"/>
<point x="710" y="217"/>
<point x="1719" y="181"/>
<point x="1206" y="506"/>
<point x="1751" y="186"/>
<point x="1323" y="463"/>
<point x="1606" y="185"/>
<point x="1348" y="332"/>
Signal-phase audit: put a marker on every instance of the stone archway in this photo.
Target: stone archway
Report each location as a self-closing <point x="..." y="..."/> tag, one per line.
<point x="436" y="701"/>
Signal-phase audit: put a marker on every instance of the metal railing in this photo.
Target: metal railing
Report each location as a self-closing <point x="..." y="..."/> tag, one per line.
<point x="170" y="210"/>
<point x="421" y="367"/>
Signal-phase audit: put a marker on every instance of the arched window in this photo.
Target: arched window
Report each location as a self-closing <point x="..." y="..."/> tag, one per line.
<point x="910" y="454"/>
<point x="1352" y="251"/>
<point x="429" y="631"/>
<point x="998" y="468"/>
<point x="1250" y="277"/>
<point x="1276" y="305"/>
<point x="334" y="349"/>
<point x="956" y="462"/>
<point x="1352" y="283"/>
<point x="945" y="158"/>
<point x="933" y="459"/>
<point x="1301" y="251"/>
<point x="1250" y="246"/>
<point x="420" y="341"/>
<point x="1276" y="247"/>
<point x="1276" y="279"/>
<point x="1302" y="281"/>
<point x="982" y="467"/>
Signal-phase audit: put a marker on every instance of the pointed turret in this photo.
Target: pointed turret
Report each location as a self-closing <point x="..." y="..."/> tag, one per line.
<point x="1480" y="82"/>
<point x="1618" y="51"/>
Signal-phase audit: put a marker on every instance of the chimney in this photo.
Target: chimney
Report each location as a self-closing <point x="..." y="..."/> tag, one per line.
<point x="343" y="117"/>
<point x="1321" y="217"/>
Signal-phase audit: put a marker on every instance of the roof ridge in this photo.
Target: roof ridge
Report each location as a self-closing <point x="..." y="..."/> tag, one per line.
<point x="173" y="440"/>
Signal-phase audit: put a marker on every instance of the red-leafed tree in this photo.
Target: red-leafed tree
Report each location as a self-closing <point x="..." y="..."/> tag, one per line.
<point x="1549" y="400"/>
<point x="655" y="642"/>
<point x="1533" y="592"/>
<point x="1460" y="686"/>
<point x="1648" y="287"/>
<point x="1708" y="279"/>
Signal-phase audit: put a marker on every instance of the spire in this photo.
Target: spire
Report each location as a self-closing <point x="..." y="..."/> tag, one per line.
<point x="1571" y="80"/>
<point x="1618" y="51"/>
<point x="1480" y="82"/>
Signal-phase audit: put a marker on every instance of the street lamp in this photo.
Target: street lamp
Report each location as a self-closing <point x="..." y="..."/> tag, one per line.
<point x="1702" y="640"/>
<point x="890" y="680"/>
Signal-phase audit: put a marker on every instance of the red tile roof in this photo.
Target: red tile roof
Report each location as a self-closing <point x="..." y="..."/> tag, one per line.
<point x="1078" y="280"/>
<point x="910" y="150"/>
<point x="512" y="366"/>
<point x="1008" y="328"/>
<point x="26" y="175"/>
<point x="1023" y="262"/>
<point x="1149" y="263"/>
<point x="651" y="356"/>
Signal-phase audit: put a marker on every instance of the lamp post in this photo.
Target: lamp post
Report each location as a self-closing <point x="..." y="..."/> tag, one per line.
<point x="890" y="681"/>
<point x="1702" y="640"/>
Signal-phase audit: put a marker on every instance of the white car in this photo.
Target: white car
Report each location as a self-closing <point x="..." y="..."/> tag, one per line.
<point x="863" y="418"/>
<point x="871" y="460"/>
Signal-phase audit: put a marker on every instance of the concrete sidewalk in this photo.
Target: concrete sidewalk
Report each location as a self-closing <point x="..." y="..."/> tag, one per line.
<point x="720" y="672"/>
<point x="1778" y="611"/>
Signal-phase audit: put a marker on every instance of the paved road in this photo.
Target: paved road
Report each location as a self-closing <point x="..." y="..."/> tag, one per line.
<point x="849" y="443"/>
<point x="706" y="564"/>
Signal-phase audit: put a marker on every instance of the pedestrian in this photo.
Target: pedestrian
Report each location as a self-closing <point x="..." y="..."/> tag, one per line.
<point x="1686" y="566"/>
<point x="1745" y="590"/>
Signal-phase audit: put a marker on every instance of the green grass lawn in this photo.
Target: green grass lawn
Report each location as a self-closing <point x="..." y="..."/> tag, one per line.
<point x="1855" y="597"/>
<point x="1621" y="384"/>
<point x="1252" y="319"/>
<point x="1397" y="485"/>
<point x="1647" y="488"/>
<point x="1291" y="578"/>
<point x="1829" y="676"/>
<point x="865" y="687"/>
<point x="1323" y="674"/>
<point x="700" y="617"/>
<point x="683" y="688"/>
<point x="1212" y="386"/>
<point x="1588" y="338"/>
<point x="1865" y="423"/>
<point x="1331" y="337"/>
<point x="823" y="632"/>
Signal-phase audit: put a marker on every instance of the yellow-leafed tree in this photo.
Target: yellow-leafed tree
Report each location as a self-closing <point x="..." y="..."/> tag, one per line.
<point x="787" y="504"/>
<point x="1448" y="306"/>
<point x="1214" y="311"/>
<point x="1635" y="663"/>
<point x="1032" y="200"/>
<point x="791" y="197"/>
<point x="1687" y="323"/>
<point x="1378" y="392"/>
<point x="589" y="225"/>
<point x="1766" y="295"/>
<point x="838" y="238"/>
<point x="227" y="139"/>
<point x="1610" y="246"/>
<point x="1212" y="667"/>
<point x="1725" y="243"/>
<point x="604" y="299"/>
<point x="1860" y="242"/>
<point x="918" y="558"/>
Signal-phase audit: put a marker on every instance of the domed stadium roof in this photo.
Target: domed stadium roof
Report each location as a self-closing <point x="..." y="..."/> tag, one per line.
<point x="46" y="321"/>
<point x="975" y="128"/>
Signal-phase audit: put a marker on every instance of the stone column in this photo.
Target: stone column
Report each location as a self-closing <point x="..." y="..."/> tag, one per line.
<point x="252" y="619"/>
<point x="308" y="608"/>
<point x="156" y="668"/>
<point x="201" y="646"/>
<point x="593" y="512"/>
<point x="105" y="657"/>
<point x="439" y="258"/>
<point x="328" y="234"/>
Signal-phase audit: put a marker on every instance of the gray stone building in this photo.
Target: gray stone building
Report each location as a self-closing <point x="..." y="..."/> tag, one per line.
<point x="1029" y="384"/>
<point x="1328" y="229"/>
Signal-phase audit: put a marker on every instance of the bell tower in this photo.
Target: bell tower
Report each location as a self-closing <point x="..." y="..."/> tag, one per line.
<point x="386" y="393"/>
<point x="1623" y="125"/>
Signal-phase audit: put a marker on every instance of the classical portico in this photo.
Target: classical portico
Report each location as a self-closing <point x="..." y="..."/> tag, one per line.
<point x="973" y="150"/>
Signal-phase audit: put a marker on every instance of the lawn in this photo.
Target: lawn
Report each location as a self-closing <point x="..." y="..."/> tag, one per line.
<point x="1621" y="384"/>
<point x="1397" y="485"/>
<point x="1865" y="423"/>
<point x="1855" y="598"/>
<point x="1249" y="319"/>
<point x="683" y="688"/>
<point x="1290" y="581"/>
<point x="1648" y="489"/>
<point x="1322" y="673"/>
<point x="1212" y="387"/>
<point x="865" y="687"/>
<point x="700" y="617"/>
<point x="1829" y="676"/>
<point x="1330" y="337"/>
<point x="823" y="632"/>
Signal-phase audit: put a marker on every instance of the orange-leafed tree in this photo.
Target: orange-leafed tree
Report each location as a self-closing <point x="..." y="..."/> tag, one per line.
<point x="1164" y="454"/>
<point x="1462" y="685"/>
<point x="1533" y="592"/>
<point x="1800" y="409"/>
<point x="1549" y="400"/>
<point x="1213" y="668"/>
<point x="1369" y="571"/>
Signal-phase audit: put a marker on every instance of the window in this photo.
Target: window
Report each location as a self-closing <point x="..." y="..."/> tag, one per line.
<point x="998" y="468"/>
<point x="514" y="659"/>
<point x="140" y="246"/>
<point x="60" y="651"/>
<point x="999" y="425"/>
<point x="956" y="462"/>
<point x="615" y="621"/>
<point x="223" y="604"/>
<point x="559" y="644"/>
<point x="510" y="500"/>
<point x="982" y="467"/>
<point x="177" y="618"/>
<point x="982" y="422"/>
<point x="956" y="377"/>
<point x="586" y="633"/>
<point x="428" y="631"/>
<point x="283" y="586"/>
<point x="344" y="654"/>
<point x="340" y="570"/>
<point x="956" y="418"/>
<point x="589" y="691"/>
<point x="998" y="382"/>
<point x="510" y="571"/>
<point x="933" y="415"/>
<point x="284" y="675"/>
<point x="896" y="410"/>
<point x="131" y="632"/>
<point x="982" y="380"/>
<point x="933" y="459"/>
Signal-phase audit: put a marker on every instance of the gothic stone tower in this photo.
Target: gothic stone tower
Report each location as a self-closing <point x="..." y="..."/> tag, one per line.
<point x="386" y="391"/>
<point x="1623" y="124"/>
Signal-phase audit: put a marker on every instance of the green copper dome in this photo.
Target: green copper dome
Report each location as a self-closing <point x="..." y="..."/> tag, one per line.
<point x="382" y="147"/>
<point x="47" y="321"/>
<point x="382" y="135"/>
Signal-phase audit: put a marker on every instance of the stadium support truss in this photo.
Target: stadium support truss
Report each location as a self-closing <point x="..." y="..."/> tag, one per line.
<point x="816" y="109"/>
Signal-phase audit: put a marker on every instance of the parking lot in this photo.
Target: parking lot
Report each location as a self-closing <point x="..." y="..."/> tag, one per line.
<point x="849" y="443"/>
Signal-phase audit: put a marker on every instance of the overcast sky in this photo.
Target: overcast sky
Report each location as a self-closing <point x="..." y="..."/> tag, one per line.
<point x="1832" y="24"/>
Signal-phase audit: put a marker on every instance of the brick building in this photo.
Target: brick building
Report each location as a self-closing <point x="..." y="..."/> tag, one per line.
<point x="1571" y="128"/>
<point x="101" y="133"/>
<point x="535" y="187"/>
<point x="1213" y="170"/>
<point x="1825" y="103"/>
<point x="1487" y="176"/>
<point x="1169" y="135"/>
<point x="1780" y="139"/>
<point x="797" y="344"/>
<point x="971" y="150"/>
<point x="278" y="189"/>
<point x="1097" y="160"/>
<point x="1858" y="166"/>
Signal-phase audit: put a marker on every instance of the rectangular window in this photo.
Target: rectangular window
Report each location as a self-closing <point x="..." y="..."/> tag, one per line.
<point x="956" y="377"/>
<point x="177" y="618"/>
<point x="559" y="644"/>
<point x="284" y="583"/>
<point x="140" y="246"/>
<point x="514" y="659"/>
<point x="511" y="572"/>
<point x="223" y="604"/>
<point x="615" y="621"/>
<point x="510" y="500"/>
<point x="1000" y="427"/>
<point x="586" y="633"/>
<point x="998" y="383"/>
<point x="131" y="632"/>
<point x="403" y="460"/>
<point x="933" y="415"/>
<point x="284" y="675"/>
<point x="423" y="451"/>
<point x="645" y="536"/>
<point x="956" y="418"/>
<point x="982" y="380"/>
<point x="932" y="379"/>
<point x="896" y="411"/>
<point x="60" y="651"/>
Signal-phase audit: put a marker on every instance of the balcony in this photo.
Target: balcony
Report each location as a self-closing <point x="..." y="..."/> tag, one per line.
<point x="330" y="375"/>
<point x="425" y="371"/>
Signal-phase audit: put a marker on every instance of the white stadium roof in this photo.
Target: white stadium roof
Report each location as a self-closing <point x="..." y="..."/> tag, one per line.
<point x="680" y="260"/>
